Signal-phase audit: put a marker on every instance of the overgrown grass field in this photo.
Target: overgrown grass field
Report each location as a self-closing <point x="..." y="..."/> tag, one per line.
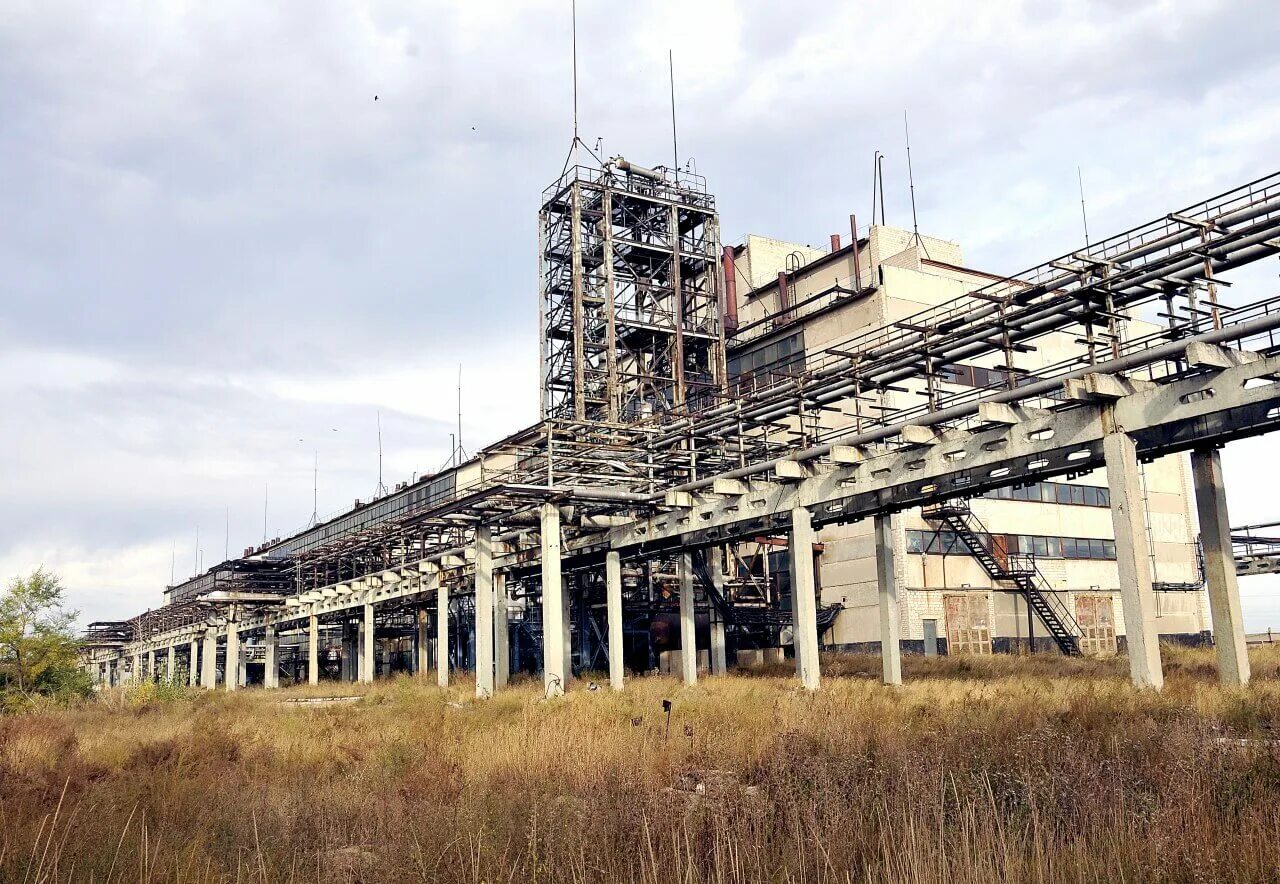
<point x="995" y="769"/>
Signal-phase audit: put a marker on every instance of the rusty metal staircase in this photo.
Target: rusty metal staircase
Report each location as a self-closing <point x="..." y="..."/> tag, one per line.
<point x="1006" y="568"/>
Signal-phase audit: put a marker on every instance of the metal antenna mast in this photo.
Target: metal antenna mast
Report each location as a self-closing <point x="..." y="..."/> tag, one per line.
<point x="226" y="540"/>
<point x="266" y="487"/>
<point x="315" y="490"/>
<point x="382" y="488"/>
<point x="675" y="147"/>
<point x="911" y="180"/>
<point x="460" y="449"/>
<point x="1083" y="216"/>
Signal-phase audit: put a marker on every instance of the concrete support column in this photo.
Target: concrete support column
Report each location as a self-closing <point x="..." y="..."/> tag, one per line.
<point x="803" y="599"/>
<point x="688" y="623"/>
<point x="719" y="653"/>
<point x="1220" y="567"/>
<point x="136" y="675"/>
<point x="890" y="612"/>
<point x="231" y="672"/>
<point x="313" y="649"/>
<point x="151" y="665"/>
<point x="613" y="608"/>
<point x="209" y="660"/>
<point x="554" y="672"/>
<point x="484" y="612"/>
<point x="170" y="663"/>
<point x="501" y="631"/>
<point x="442" y="634"/>
<point x="270" y="665"/>
<point x="193" y="658"/>
<point x="368" y="645"/>
<point x="1133" y="556"/>
<point x="423" y="643"/>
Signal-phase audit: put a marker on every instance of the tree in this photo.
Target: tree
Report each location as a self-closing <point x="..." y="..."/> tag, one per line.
<point x="37" y="643"/>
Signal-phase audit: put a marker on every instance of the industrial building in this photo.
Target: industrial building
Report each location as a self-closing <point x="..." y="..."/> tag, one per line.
<point x="766" y="449"/>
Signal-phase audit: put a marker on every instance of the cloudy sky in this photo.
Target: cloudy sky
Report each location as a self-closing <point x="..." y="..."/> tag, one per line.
<point x="220" y="258"/>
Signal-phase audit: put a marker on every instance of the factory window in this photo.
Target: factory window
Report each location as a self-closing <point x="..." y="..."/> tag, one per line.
<point x="948" y="543"/>
<point x="1055" y="492"/>
<point x="765" y="366"/>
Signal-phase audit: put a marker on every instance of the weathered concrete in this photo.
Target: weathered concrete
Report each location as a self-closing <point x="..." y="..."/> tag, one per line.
<point x="270" y="665"/>
<point x="613" y="608"/>
<point x="890" y="612"/>
<point x="171" y="663"/>
<point x="442" y="634"/>
<point x="554" y="671"/>
<point x="1133" y="558"/>
<point x="368" y="645"/>
<point x="423" y="643"/>
<point x="231" y="673"/>
<point x="688" y="623"/>
<point x="804" y="599"/>
<point x="1220" y="567"/>
<point x="484" y="611"/>
<point x="719" y="651"/>
<point x="501" y="632"/>
<point x="193" y="658"/>
<point x="209" y="661"/>
<point x="313" y="650"/>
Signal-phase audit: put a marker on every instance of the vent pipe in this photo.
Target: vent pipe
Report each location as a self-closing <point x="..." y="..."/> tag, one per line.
<point x="730" y="291"/>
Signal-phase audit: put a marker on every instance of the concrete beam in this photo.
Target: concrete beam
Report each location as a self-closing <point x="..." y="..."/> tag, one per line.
<point x="886" y="530"/>
<point x="688" y="623"/>
<point x="484" y="611"/>
<point x="791" y="471"/>
<point x="1220" y="567"/>
<point x="1133" y="558"/>
<point x="1165" y="418"/>
<point x="1202" y="355"/>
<point x="729" y="487"/>
<point x="848" y="454"/>
<point x="998" y="413"/>
<point x="803" y="599"/>
<point x="915" y="435"/>
<point x="678" y="499"/>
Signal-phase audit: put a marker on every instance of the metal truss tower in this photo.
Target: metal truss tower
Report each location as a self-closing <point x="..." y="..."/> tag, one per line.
<point x="630" y="302"/>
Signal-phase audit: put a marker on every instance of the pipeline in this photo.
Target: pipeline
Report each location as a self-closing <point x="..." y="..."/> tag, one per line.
<point x="1030" y="391"/>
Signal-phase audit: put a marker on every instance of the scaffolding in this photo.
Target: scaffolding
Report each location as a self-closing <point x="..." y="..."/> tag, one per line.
<point x="630" y="294"/>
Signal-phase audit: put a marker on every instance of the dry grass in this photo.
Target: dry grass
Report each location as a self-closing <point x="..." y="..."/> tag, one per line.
<point x="976" y="770"/>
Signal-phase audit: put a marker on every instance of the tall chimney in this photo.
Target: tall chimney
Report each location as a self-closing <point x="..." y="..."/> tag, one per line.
<point x="730" y="291"/>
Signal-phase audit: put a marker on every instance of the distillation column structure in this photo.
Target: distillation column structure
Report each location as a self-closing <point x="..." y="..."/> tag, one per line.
<point x="630" y="294"/>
